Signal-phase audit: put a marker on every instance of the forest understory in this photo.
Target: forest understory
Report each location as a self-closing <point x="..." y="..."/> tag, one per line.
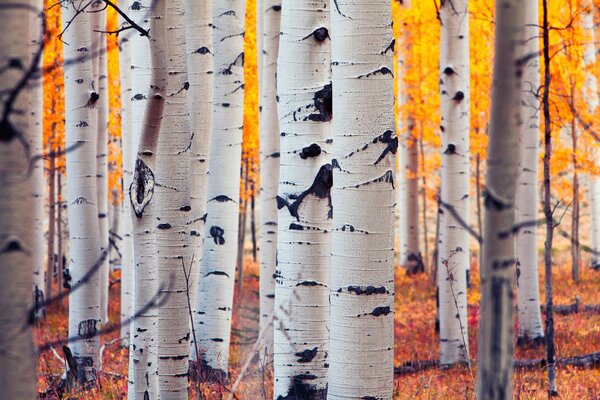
<point x="415" y="341"/>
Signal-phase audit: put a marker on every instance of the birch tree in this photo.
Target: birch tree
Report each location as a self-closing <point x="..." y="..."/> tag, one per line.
<point x="453" y="239"/>
<point x="82" y="197"/>
<point x="269" y="167"/>
<point x="149" y="76"/>
<point x="496" y="347"/>
<point x="19" y="85"/>
<point x="528" y="290"/>
<point x="304" y="200"/>
<point x="362" y="269"/>
<point x="217" y="270"/>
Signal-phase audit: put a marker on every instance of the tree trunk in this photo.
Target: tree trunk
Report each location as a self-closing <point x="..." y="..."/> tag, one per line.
<point x="242" y="216"/>
<point x="51" y="253"/>
<point x="496" y="346"/>
<point x="200" y="106"/>
<point x="361" y="352"/>
<point x="302" y="262"/>
<point x="454" y="253"/>
<point x="149" y="94"/>
<point x="425" y="256"/>
<point x="86" y="257"/>
<point x="414" y="258"/>
<point x="217" y="270"/>
<point x="269" y="168"/>
<point x="60" y="256"/>
<point x="575" y="205"/>
<point x="528" y="291"/>
<point x="22" y="21"/>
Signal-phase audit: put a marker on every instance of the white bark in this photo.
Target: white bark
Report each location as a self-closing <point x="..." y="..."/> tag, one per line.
<point x="172" y="215"/>
<point x="128" y="157"/>
<point x="151" y="91"/>
<point x="453" y="240"/>
<point x="302" y="270"/>
<point x="217" y="270"/>
<point x="82" y="195"/>
<point x="20" y="124"/>
<point x="361" y="355"/>
<point x="496" y="342"/>
<point x="528" y="287"/>
<point x="198" y="16"/>
<point x="269" y="167"/>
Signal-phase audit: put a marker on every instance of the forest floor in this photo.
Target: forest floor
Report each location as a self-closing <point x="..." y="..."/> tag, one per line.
<point x="415" y="339"/>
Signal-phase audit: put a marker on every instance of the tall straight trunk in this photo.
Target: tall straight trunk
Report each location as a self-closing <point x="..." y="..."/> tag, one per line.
<point x="591" y="98"/>
<point x="60" y="263"/>
<point x="22" y="23"/>
<point x="304" y="220"/>
<point x="128" y="157"/>
<point x="496" y="346"/>
<point x="528" y="290"/>
<point x="269" y="167"/>
<point x="453" y="240"/>
<point x="198" y="17"/>
<point x="98" y="24"/>
<point x="425" y="258"/>
<point x="478" y="195"/>
<point x="217" y="270"/>
<point x="173" y="210"/>
<point x="414" y="258"/>
<point x="151" y="90"/>
<point x="402" y="214"/>
<point x="575" y="205"/>
<point x="548" y="211"/>
<point x="81" y="97"/>
<point x="51" y="253"/>
<point x="361" y="354"/>
<point x="242" y="217"/>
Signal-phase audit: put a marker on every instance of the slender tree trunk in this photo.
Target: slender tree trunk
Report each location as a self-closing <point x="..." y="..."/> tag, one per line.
<point x="414" y="258"/>
<point x="81" y="131"/>
<point x="51" y="253"/>
<point x="151" y="92"/>
<point x="528" y="290"/>
<point x="253" y="222"/>
<point x="454" y="253"/>
<point x="496" y="343"/>
<point x="361" y="352"/>
<point x="269" y="168"/>
<point x="21" y="26"/>
<point x="575" y="205"/>
<point x="304" y="202"/>
<point x="60" y="267"/>
<point x="550" y="346"/>
<point x="425" y="257"/>
<point x="478" y="187"/>
<point x="217" y="270"/>
<point x="242" y="216"/>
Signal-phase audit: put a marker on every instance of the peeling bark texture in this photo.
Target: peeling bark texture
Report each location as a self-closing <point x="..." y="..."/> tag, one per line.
<point x="591" y="97"/>
<point x="361" y="321"/>
<point x="128" y="149"/>
<point x="149" y="76"/>
<point x="453" y="239"/>
<point x="18" y="244"/>
<point x="269" y="169"/>
<point x="217" y="269"/>
<point x="302" y="263"/>
<point x="528" y="289"/>
<point x="198" y="16"/>
<point x="98" y="23"/>
<point x="82" y="195"/>
<point x="172" y="216"/>
<point x="496" y="346"/>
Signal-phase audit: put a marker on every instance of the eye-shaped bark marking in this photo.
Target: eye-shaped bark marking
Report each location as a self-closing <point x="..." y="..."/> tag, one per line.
<point x="202" y="50"/>
<point x="367" y="290"/>
<point x="323" y="103"/>
<point x="13" y="245"/>
<point x="320" y="34"/>
<point x="449" y="71"/>
<point x="222" y="198"/>
<point x="216" y="232"/>
<point x="379" y="311"/>
<point x="313" y="150"/>
<point x="87" y="329"/>
<point x="451" y="149"/>
<point x="138" y="96"/>
<point x="142" y="187"/>
<point x="307" y="355"/>
<point x="492" y="202"/>
<point x="387" y="177"/>
<point x="239" y="61"/>
<point x="94" y="97"/>
<point x="458" y="96"/>
<point x="321" y="188"/>
<point x="382" y="71"/>
<point x="391" y="141"/>
<point x="221" y="273"/>
<point x="136" y="5"/>
<point x="310" y="283"/>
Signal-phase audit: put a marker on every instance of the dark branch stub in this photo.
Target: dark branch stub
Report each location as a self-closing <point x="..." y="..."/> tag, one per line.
<point x="142" y="187"/>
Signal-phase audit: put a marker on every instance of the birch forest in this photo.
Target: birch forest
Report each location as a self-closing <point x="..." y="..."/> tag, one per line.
<point x="299" y="199"/>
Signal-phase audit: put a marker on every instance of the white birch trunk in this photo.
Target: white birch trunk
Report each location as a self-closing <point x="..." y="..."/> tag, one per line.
<point x="173" y="214"/>
<point x="453" y="240"/>
<point x="361" y="355"/>
<point x="302" y="270"/>
<point x="528" y="286"/>
<point x="98" y="23"/>
<point x="82" y="197"/>
<point x="269" y="167"/>
<point x="217" y="270"/>
<point x="19" y="126"/>
<point x="590" y="96"/>
<point x="198" y="16"/>
<point x="149" y="78"/>
<point x="496" y="342"/>
<point x="128" y="157"/>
